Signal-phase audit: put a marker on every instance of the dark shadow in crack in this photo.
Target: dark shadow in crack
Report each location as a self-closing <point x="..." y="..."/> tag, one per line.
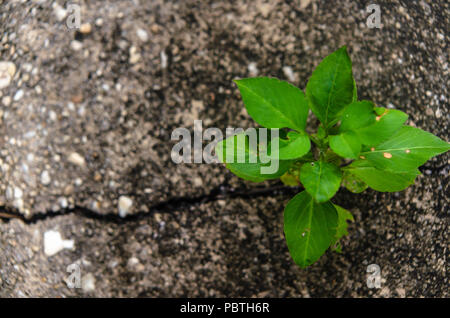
<point x="219" y="193"/>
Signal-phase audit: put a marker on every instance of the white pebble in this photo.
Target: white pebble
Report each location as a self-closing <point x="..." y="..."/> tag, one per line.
<point x="52" y="115"/>
<point x="78" y="182"/>
<point x="88" y="283"/>
<point x="134" y="55"/>
<point x="63" y="202"/>
<point x="53" y="243"/>
<point x="125" y="204"/>
<point x="5" y="80"/>
<point x="163" y="59"/>
<point x="18" y="95"/>
<point x="132" y="261"/>
<point x="289" y="73"/>
<point x="438" y="113"/>
<point x="7" y="71"/>
<point x="253" y="69"/>
<point x="59" y="11"/>
<point x="18" y="193"/>
<point x="45" y="178"/>
<point x="76" y="159"/>
<point x="18" y="204"/>
<point x="76" y="45"/>
<point x="142" y="35"/>
<point x="6" y="100"/>
<point x="9" y="193"/>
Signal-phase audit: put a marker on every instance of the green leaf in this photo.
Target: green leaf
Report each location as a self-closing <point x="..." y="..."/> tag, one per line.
<point x="355" y="91"/>
<point x="382" y="180"/>
<point x="309" y="228"/>
<point x="295" y="146"/>
<point x="320" y="179"/>
<point x="245" y="162"/>
<point x="331" y="157"/>
<point x="408" y="149"/>
<point x="357" y="115"/>
<point x="342" y="225"/>
<point x="289" y="179"/>
<point x="346" y="145"/>
<point x="385" y="125"/>
<point x="331" y="86"/>
<point x="352" y="182"/>
<point x="273" y="103"/>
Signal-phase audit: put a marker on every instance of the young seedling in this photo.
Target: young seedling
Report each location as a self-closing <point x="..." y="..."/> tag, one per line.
<point x="357" y="145"/>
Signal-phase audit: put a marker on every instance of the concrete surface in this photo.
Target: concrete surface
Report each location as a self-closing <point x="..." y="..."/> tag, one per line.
<point x="86" y="118"/>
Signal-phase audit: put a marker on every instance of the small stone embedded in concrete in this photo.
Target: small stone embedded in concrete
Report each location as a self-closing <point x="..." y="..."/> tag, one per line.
<point x="253" y="69"/>
<point x="163" y="59"/>
<point x="142" y="35"/>
<point x="134" y="264"/>
<point x="76" y="159"/>
<point x="438" y="113"/>
<point x="45" y="178"/>
<point x="125" y="204"/>
<point x="88" y="283"/>
<point x="289" y="73"/>
<point x="76" y="45"/>
<point x="18" y="193"/>
<point x="6" y="100"/>
<point x="132" y="261"/>
<point x="59" y="11"/>
<point x="63" y="202"/>
<point x="85" y="28"/>
<point x="304" y="3"/>
<point x="134" y="55"/>
<point x="18" y="95"/>
<point x="53" y="243"/>
<point x="7" y="71"/>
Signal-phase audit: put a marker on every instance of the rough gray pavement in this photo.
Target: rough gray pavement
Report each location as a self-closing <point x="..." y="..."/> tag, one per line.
<point x="86" y="118"/>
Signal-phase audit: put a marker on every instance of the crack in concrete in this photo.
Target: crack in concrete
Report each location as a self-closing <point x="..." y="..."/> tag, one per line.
<point x="219" y="193"/>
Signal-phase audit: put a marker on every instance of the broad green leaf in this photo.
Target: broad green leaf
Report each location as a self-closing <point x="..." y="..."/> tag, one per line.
<point x="408" y="149"/>
<point x="341" y="230"/>
<point x="352" y="182"/>
<point x="309" y="228"/>
<point x="384" y="127"/>
<point x="320" y="179"/>
<point x="346" y="145"/>
<point x="295" y="146"/>
<point x="331" y="86"/>
<point x="273" y="103"/>
<point x="382" y="180"/>
<point x="357" y="115"/>
<point x="245" y="162"/>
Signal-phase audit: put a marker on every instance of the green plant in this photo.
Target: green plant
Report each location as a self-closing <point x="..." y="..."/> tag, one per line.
<point x="357" y="145"/>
